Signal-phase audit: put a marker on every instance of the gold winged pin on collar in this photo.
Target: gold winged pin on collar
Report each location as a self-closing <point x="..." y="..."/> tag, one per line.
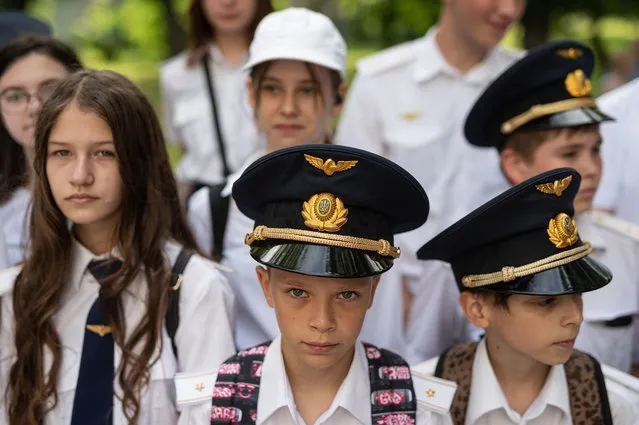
<point x="555" y="188"/>
<point x="329" y="167"/>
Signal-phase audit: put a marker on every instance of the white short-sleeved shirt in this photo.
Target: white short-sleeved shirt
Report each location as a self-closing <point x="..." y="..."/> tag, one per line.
<point x="204" y="338"/>
<point x="408" y="104"/>
<point x="619" y="187"/>
<point x="256" y="321"/>
<point x="188" y="116"/>
<point x="351" y="405"/>
<point x="620" y="253"/>
<point x="14" y="222"/>
<point x="487" y="404"/>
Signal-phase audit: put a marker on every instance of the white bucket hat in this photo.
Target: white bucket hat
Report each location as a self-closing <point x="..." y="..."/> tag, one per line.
<point x="298" y="34"/>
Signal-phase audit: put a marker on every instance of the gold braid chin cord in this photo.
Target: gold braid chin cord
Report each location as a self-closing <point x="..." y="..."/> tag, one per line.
<point x="382" y="246"/>
<point x="508" y="273"/>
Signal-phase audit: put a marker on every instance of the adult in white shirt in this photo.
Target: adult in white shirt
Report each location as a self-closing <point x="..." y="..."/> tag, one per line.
<point x="325" y="218"/>
<point x="522" y="281"/>
<point x="29" y="68"/>
<point x="203" y="93"/>
<point x="97" y="320"/>
<point x="409" y="103"/>
<point x="619" y="189"/>
<point x="295" y="89"/>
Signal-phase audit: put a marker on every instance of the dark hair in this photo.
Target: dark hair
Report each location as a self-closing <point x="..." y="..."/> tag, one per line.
<point x="499" y="299"/>
<point x="526" y="143"/>
<point x="150" y="215"/>
<point x="202" y="32"/>
<point x="13" y="166"/>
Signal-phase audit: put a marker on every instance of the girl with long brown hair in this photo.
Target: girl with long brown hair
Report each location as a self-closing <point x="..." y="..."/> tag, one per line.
<point x="30" y="66"/>
<point x="96" y="323"/>
<point x="205" y="113"/>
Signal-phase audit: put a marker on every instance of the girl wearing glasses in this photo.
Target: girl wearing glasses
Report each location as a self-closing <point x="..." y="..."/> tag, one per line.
<point x="29" y="69"/>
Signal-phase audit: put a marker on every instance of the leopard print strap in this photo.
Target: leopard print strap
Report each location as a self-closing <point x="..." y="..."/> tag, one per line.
<point x="456" y="365"/>
<point x="587" y="389"/>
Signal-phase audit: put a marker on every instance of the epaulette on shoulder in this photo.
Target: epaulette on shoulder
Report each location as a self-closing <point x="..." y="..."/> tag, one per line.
<point x="387" y="59"/>
<point x="194" y="388"/>
<point x="433" y="393"/>
<point x="617" y="225"/>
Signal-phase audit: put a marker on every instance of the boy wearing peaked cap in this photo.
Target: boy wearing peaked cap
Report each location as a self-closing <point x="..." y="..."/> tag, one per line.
<point x="521" y="267"/>
<point x="540" y="115"/>
<point x="325" y="217"/>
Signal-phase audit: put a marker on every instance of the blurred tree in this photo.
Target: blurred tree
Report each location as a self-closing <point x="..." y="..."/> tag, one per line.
<point x="176" y="38"/>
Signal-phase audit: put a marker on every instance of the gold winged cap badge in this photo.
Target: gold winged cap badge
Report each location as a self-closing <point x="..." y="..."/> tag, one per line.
<point x="329" y="167"/>
<point x="555" y="188"/>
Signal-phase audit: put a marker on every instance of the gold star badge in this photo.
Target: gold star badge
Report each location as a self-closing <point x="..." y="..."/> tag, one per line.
<point x="200" y="387"/>
<point x="329" y="167"/>
<point x="430" y="393"/>
<point x="555" y="188"/>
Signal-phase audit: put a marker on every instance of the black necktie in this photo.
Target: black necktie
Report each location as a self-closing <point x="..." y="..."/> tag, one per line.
<point x="93" y="402"/>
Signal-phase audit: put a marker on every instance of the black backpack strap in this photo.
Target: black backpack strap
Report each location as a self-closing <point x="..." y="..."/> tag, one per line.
<point x="216" y="119"/>
<point x="392" y="393"/>
<point x="219" y="206"/>
<point x="172" y="320"/>
<point x="237" y="389"/>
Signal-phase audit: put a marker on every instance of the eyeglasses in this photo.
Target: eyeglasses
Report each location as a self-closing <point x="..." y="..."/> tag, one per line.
<point x="14" y="100"/>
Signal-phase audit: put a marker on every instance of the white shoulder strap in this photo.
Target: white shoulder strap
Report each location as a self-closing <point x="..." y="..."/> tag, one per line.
<point x="387" y="59"/>
<point x="193" y="388"/>
<point x="615" y="224"/>
<point x="434" y="393"/>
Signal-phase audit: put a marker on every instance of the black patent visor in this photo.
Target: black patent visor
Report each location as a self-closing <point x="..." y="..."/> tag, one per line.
<point x="571" y="118"/>
<point x="321" y="260"/>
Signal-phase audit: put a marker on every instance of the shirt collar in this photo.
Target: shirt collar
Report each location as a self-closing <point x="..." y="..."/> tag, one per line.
<point x="430" y="62"/>
<point x="218" y="58"/>
<point x="589" y="231"/>
<point x="80" y="259"/>
<point x="231" y="179"/>
<point x="276" y="390"/>
<point x="488" y="396"/>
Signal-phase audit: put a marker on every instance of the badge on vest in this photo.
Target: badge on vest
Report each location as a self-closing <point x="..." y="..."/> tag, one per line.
<point x="434" y="393"/>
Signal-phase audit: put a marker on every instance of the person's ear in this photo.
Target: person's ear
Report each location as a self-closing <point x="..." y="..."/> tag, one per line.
<point x="264" y="277"/>
<point x="514" y="166"/>
<point x="476" y="309"/>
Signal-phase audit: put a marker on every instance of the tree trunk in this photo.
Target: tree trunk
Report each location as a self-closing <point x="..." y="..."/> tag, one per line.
<point x="536" y="23"/>
<point x="175" y="34"/>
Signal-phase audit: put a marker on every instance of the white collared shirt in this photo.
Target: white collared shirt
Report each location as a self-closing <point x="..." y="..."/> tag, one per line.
<point x="621" y="255"/>
<point x="487" y="404"/>
<point x="204" y="338"/>
<point x="188" y="116"/>
<point x="619" y="187"/>
<point x="256" y="322"/>
<point x="14" y="215"/>
<point x="412" y="110"/>
<point x="351" y="405"/>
